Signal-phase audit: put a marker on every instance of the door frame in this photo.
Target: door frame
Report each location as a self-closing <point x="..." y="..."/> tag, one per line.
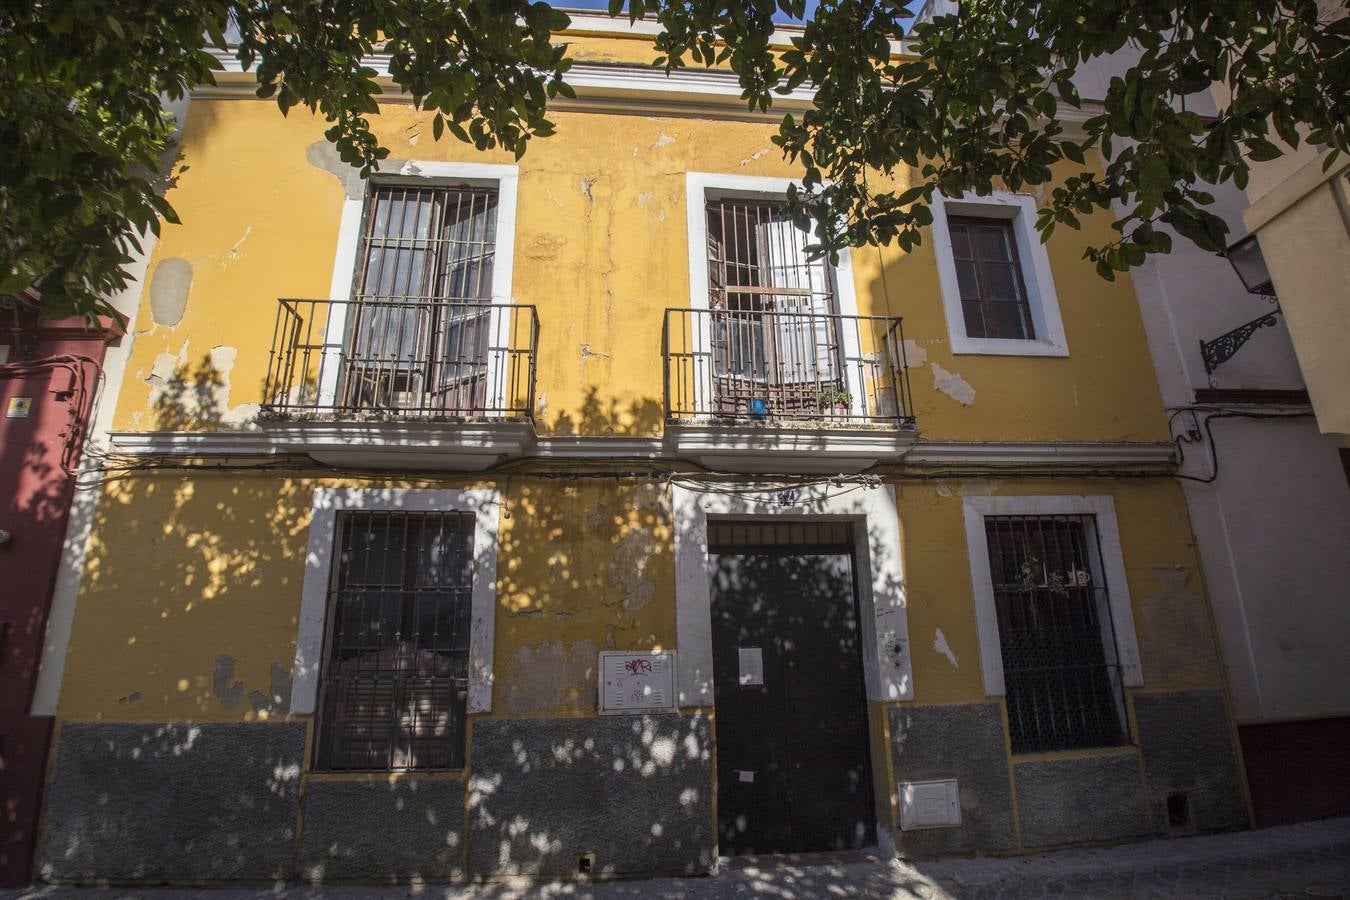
<point x="879" y="578"/>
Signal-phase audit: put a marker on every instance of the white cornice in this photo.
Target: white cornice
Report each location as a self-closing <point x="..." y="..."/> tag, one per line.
<point x="593" y="82"/>
<point x="590" y="22"/>
<point x="1039" y="453"/>
<point x="599" y="448"/>
<point x="452" y="446"/>
<point x="623" y="87"/>
<point x="193" y="444"/>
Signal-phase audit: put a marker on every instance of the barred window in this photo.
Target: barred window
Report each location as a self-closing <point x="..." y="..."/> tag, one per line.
<point x="775" y="317"/>
<point x="395" y="667"/>
<point x="1061" y="672"/>
<point x="418" y="335"/>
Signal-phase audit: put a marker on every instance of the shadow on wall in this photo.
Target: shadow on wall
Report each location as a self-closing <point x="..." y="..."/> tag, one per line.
<point x="196" y="397"/>
<point x="599" y="417"/>
<point x="189" y="614"/>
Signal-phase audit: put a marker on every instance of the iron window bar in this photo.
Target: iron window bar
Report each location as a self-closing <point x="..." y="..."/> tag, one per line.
<point x="410" y="358"/>
<point x="420" y="334"/>
<point x="394" y="676"/>
<point x="1062" y="679"/>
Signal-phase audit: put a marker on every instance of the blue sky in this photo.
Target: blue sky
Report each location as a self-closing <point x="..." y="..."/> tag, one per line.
<point x="914" y="5"/>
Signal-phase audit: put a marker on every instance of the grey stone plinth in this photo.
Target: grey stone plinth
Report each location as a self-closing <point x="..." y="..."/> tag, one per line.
<point x="1071" y="800"/>
<point x="1188" y="749"/>
<point x="164" y="802"/>
<point x="380" y="829"/>
<point x="962" y="741"/>
<point x="635" y="791"/>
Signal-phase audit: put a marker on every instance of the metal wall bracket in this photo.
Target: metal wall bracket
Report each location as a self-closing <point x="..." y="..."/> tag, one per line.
<point x="1225" y="346"/>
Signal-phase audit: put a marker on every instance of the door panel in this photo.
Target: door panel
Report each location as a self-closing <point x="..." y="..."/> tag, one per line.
<point x="793" y="773"/>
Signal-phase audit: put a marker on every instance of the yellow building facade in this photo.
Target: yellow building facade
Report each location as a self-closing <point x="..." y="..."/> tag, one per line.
<point x="723" y="550"/>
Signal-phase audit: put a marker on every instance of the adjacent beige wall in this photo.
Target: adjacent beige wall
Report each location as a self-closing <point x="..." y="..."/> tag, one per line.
<point x="1303" y="225"/>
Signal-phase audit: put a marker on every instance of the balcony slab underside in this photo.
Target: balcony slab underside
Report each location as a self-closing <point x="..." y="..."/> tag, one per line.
<point x="451" y="445"/>
<point x="784" y="447"/>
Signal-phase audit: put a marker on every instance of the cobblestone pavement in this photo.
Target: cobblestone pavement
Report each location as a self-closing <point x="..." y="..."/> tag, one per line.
<point x="1311" y="860"/>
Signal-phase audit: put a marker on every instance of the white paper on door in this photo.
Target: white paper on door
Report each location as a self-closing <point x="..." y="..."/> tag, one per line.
<point x="752" y="665"/>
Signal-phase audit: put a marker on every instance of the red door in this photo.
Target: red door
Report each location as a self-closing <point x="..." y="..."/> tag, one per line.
<point x="48" y="375"/>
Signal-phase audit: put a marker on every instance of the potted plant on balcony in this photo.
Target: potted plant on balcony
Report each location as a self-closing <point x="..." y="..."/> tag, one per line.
<point x="835" y="404"/>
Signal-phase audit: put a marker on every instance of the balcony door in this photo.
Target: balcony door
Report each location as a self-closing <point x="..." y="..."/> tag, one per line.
<point x="417" y="331"/>
<point x="775" y="336"/>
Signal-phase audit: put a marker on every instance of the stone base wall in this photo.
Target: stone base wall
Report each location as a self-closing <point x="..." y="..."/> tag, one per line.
<point x="1188" y="751"/>
<point x="636" y="792"/>
<point x="166" y="802"/>
<point x="378" y="829"/>
<point x="1183" y="749"/>
<point x="962" y="741"/>
<point x="606" y="795"/>
<point x="224" y="802"/>
<point x="1076" y="799"/>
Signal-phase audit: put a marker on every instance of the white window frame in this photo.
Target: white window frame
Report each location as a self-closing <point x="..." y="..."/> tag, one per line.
<point x="1020" y="210"/>
<point x="1113" y="564"/>
<point x="319" y="562"/>
<point x="700" y="187"/>
<point x="424" y="173"/>
<point x="883" y="619"/>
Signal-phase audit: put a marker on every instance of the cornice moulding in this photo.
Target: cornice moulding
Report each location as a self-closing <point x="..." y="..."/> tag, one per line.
<point x="1031" y="453"/>
<point x="617" y="87"/>
<point x="473" y="447"/>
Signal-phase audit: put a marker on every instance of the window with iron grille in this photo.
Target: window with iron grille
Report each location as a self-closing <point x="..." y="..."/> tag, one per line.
<point x="989" y="277"/>
<point x="775" y="335"/>
<point x="395" y="666"/>
<point x="418" y="334"/>
<point x="1061" y="673"/>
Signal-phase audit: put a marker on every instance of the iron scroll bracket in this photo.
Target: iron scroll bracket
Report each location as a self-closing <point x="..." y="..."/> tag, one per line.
<point x="1225" y="346"/>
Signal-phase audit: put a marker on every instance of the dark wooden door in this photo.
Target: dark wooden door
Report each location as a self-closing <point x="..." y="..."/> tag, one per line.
<point x="792" y="759"/>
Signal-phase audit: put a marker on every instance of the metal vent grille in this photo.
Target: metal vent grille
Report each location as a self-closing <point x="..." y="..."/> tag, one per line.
<point x="395" y="669"/>
<point x="1061" y="675"/>
<point x="730" y="535"/>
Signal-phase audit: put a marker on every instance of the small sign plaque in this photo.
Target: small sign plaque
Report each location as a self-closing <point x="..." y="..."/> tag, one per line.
<point x="18" y="407"/>
<point x="637" y="681"/>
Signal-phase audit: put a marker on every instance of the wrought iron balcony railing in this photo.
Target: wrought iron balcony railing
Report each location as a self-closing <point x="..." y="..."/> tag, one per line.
<point x="402" y="358"/>
<point x="769" y="366"/>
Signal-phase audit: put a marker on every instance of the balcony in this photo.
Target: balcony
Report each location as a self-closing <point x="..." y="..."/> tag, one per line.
<point x="410" y="383"/>
<point x="763" y="390"/>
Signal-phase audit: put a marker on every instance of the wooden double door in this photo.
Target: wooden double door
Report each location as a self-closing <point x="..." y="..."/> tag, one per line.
<point x="792" y="740"/>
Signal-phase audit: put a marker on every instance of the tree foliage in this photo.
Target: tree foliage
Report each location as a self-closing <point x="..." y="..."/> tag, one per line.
<point x="980" y="100"/>
<point x="987" y="99"/>
<point x="83" y="85"/>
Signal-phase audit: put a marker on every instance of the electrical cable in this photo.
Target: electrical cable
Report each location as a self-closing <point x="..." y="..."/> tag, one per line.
<point x="1215" y="412"/>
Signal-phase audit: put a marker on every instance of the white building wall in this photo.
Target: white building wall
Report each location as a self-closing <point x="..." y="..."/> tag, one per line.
<point x="1273" y="529"/>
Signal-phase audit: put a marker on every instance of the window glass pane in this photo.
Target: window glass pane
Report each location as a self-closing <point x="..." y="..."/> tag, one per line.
<point x="974" y="315"/>
<point x="1006" y="320"/>
<point x="960" y="240"/>
<point x="994" y="243"/>
<point x="967" y="280"/>
<point x="1001" y="281"/>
